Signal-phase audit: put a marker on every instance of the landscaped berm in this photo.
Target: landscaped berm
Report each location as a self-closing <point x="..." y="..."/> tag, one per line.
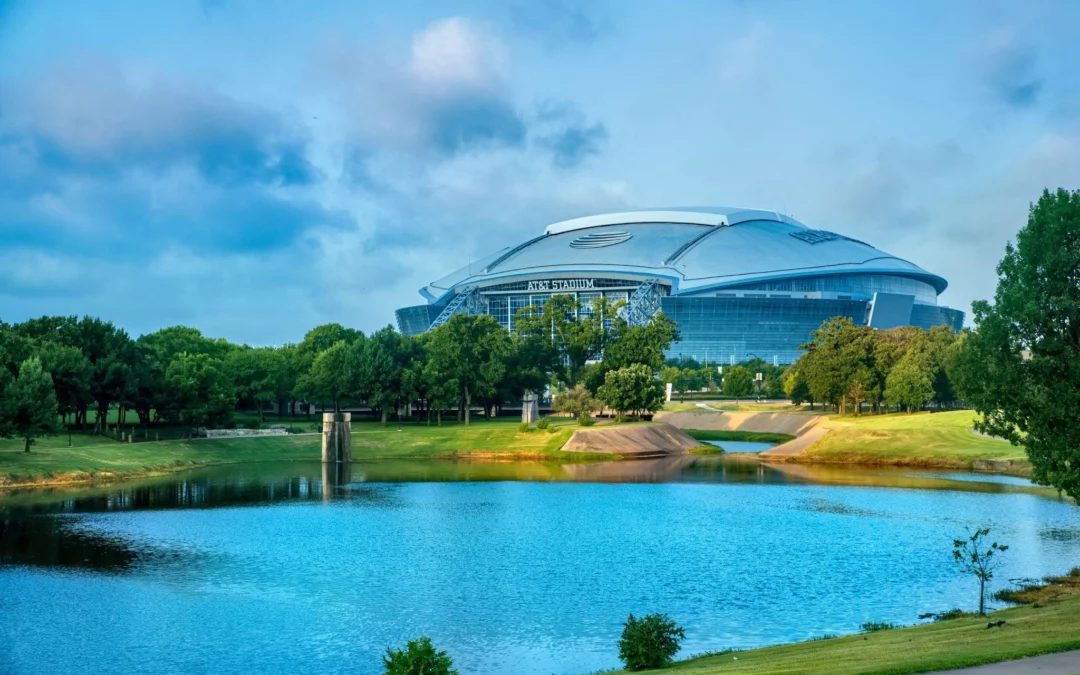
<point x="1047" y="625"/>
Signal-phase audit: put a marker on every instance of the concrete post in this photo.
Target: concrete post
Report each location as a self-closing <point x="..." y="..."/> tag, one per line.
<point x="530" y="408"/>
<point x="337" y="437"/>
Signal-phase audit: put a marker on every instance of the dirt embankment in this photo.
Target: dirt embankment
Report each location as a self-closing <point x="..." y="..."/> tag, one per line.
<point x="654" y="440"/>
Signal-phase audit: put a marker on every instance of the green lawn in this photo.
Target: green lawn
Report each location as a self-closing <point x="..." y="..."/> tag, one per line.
<point x="921" y="437"/>
<point x="91" y="456"/>
<point x="751" y="436"/>
<point x="1029" y="630"/>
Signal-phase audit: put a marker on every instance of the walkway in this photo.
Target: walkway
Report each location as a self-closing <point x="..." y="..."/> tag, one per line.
<point x="1062" y="663"/>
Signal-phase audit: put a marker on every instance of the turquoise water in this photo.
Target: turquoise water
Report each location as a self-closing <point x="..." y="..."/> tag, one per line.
<point x="511" y="568"/>
<point x="741" y="446"/>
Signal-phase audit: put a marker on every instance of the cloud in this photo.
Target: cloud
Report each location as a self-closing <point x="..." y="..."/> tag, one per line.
<point x="1007" y="70"/>
<point x="567" y="135"/>
<point x="558" y="22"/>
<point x="89" y="117"/>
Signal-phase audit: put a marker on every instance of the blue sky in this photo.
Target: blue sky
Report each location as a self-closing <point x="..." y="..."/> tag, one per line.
<point x="256" y="168"/>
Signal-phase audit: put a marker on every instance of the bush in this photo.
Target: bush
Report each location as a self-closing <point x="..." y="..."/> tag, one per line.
<point x="418" y="658"/>
<point x="649" y="642"/>
<point x="524" y="428"/>
<point x="586" y="420"/>
<point x="252" y="424"/>
<point x="947" y="615"/>
<point x="875" y="626"/>
<point x="543" y="423"/>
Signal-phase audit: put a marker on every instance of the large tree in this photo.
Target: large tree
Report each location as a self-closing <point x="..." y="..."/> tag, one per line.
<point x="562" y="336"/>
<point x="197" y="392"/>
<point x="71" y="372"/>
<point x="473" y="351"/>
<point x="256" y="374"/>
<point x="738" y="382"/>
<point x="1027" y="344"/>
<point x="632" y="389"/>
<point x="29" y="403"/>
<point x="331" y="377"/>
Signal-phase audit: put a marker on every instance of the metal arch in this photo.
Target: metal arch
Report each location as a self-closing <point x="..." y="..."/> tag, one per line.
<point x="469" y="303"/>
<point x="643" y="304"/>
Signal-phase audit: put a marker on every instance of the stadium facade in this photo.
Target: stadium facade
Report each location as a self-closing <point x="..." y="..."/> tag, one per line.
<point x="740" y="283"/>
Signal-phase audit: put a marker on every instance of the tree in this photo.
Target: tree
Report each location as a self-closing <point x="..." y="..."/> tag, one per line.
<point x="649" y="642"/>
<point x="331" y="376"/>
<point x="632" y="389"/>
<point x="838" y="363"/>
<point x="795" y="387"/>
<point x="568" y="336"/>
<point x="579" y="402"/>
<point x="71" y="372"/>
<point x="381" y="361"/>
<point x="256" y="374"/>
<point x="418" y="658"/>
<point x="196" y="391"/>
<point x="627" y="345"/>
<point x="908" y="384"/>
<point x="968" y="553"/>
<point x="472" y="350"/>
<point x="738" y="382"/>
<point x="1025" y="350"/>
<point x="29" y="404"/>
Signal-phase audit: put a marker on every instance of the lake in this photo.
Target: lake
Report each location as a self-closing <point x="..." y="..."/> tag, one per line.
<point x="512" y="568"/>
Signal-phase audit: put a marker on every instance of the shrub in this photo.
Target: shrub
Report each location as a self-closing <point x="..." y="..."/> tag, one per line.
<point x="252" y="424"/>
<point x="586" y="420"/>
<point x="649" y="642"/>
<point x="418" y="658"/>
<point x="947" y="615"/>
<point x="543" y="423"/>
<point x="875" y="626"/>
<point x="524" y="428"/>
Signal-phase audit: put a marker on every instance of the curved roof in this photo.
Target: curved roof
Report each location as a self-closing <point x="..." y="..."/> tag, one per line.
<point x="695" y="248"/>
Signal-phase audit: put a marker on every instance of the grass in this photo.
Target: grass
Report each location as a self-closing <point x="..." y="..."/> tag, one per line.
<point x="751" y="436"/>
<point x="937" y="439"/>
<point x="1029" y="630"/>
<point x="96" y="457"/>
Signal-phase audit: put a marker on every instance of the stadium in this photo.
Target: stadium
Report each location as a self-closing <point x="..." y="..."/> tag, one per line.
<point x="740" y="283"/>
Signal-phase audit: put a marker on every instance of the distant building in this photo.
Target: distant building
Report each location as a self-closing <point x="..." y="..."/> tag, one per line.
<point x="740" y="283"/>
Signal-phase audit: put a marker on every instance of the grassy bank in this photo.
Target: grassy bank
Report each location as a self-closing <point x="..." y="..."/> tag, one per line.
<point x="942" y="439"/>
<point x="751" y="436"/>
<point x="1040" y="628"/>
<point x="99" y="458"/>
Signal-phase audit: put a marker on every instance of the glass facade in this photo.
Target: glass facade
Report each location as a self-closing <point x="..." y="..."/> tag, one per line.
<point x="927" y="317"/>
<point x="718" y="329"/>
<point x="417" y="319"/>
<point x="855" y="284"/>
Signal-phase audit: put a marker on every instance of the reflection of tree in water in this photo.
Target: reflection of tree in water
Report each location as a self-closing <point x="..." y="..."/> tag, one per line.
<point x="40" y="535"/>
<point x="47" y="541"/>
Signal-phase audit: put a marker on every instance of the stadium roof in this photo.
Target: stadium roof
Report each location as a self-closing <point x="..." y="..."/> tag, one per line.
<point x="695" y="248"/>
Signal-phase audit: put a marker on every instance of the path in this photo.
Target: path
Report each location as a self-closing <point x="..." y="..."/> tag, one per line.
<point x="1062" y="663"/>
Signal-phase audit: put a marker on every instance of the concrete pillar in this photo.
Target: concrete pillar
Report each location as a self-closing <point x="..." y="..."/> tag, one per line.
<point x="337" y="437"/>
<point x="530" y="408"/>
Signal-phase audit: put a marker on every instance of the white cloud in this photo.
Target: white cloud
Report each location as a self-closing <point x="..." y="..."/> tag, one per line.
<point x="457" y="54"/>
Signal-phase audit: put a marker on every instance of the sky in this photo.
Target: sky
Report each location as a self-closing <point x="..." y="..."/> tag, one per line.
<point x="256" y="168"/>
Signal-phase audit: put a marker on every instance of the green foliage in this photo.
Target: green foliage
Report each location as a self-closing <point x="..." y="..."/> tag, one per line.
<point x="908" y="384"/>
<point x="632" y="389"/>
<point x="577" y="401"/>
<point x="796" y="387"/>
<point x="563" y="335"/>
<point x="628" y="345"/>
<point x="28" y="403"/>
<point x="649" y="642"/>
<point x="196" y="391"/>
<point x="256" y="374"/>
<point x="738" y="382"/>
<point x="418" y="658"/>
<point x="586" y="420"/>
<point x="331" y="376"/>
<point x="543" y="423"/>
<point x="1020" y="368"/>
<point x="473" y="351"/>
<point x="875" y="626"/>
<point x="524" y="428"/>
<point x="980" y="562"/>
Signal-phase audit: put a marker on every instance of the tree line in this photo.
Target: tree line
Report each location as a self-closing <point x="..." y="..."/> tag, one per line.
<point x="852" y="367"/>
<point x="58" y="371"/>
